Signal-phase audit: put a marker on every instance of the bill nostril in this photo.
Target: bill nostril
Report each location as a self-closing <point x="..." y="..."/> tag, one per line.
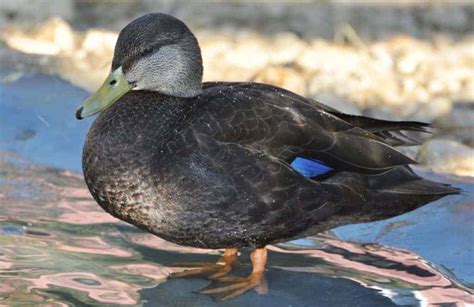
<point x="79" y="113"/>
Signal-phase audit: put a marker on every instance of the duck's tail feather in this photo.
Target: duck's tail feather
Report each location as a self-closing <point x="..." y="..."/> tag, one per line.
<point x="382" y="196"/>
<point x="421" y="187"/>
<point x="397" y="138"/>
<point x="403" y="180"/>
<point x="408" y="196"/>
<point x="391" y="132"/>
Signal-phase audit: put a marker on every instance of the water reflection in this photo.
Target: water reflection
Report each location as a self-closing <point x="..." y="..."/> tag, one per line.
<point x="58" y="246"/>
<point x="398" y="274"/>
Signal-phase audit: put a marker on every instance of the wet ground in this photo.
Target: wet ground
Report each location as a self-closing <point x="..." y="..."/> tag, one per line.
<point x="57" y="245"/>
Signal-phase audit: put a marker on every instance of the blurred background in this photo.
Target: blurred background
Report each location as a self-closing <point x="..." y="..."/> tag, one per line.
<point x="410" y="60"/>
<point x="391" y="59"/>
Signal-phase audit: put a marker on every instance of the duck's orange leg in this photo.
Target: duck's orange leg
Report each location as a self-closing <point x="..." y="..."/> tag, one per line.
<point x="240" y="285"/>
<point x="211" y="270"/>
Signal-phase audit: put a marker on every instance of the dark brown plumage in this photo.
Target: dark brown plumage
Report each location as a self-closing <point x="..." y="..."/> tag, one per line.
<point x="228" y="165"/>
<point x="214" y="171"/>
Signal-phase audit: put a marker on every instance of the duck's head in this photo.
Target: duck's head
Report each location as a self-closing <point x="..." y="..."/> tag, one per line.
<point x="155" y="52"/>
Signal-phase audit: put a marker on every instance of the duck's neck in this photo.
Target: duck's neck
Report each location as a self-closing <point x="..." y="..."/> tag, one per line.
<point x="138" y="121"/>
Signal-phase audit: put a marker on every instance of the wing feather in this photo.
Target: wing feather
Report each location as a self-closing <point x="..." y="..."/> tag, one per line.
<point x="285" y="125"/>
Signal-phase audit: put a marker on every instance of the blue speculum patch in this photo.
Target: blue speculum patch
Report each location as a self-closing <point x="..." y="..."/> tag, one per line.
<point x="310" y="168"/>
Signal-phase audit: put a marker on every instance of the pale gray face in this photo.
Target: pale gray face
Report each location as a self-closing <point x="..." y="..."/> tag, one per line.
<point x="159" y="53"/>
<point x="155" y="52"/>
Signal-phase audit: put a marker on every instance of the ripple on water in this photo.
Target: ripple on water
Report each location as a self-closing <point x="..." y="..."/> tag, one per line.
<point x="59" y="246"/>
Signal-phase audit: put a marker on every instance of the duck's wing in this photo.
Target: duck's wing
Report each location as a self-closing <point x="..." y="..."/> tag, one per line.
<point x="287" y="126"/>
<point x="259" y="199"/>
<point x="281" y="166"/>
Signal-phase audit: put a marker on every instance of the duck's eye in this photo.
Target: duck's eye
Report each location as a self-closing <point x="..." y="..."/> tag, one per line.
<point x="112" y="82"/>
<point x="147" y="51"/>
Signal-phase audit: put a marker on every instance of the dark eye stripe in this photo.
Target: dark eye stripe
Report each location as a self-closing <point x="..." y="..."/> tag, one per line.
<point x="155" y="47"/>
<point x="127" y="58"/>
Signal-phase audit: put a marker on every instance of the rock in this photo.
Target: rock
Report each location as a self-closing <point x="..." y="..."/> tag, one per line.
<point x="338" y="103"/>
<point x="30" y="45"/>
<point x="285" y="77"/>
<point x="99" y="41"/>
<point x="410" y="151"/>
<point x="250" y="52"/>
<point x="285" y="48"/>
<point x="461" y="116"/>
<point x="322" y="56"/>
<point x="214" y="49"/>
<point x="375" y="20"/>
<point x="382" y="112"/>
<point x="88" y="66"/>
<point x="51" y="38"/>
<point x="349" y="72"/>
<point x="406" y="77"/>
<point x="427" y="112"/>
<point x="26" y="11"/>
<point x="464" y="136"/>
<point x="459" y="123"/>
<point x="234" y="58"/>
<point x="59" y="33"/>
<point x="447" y="156"/>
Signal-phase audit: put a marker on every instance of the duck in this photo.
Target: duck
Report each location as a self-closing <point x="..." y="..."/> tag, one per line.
<point x="232" y="165"/>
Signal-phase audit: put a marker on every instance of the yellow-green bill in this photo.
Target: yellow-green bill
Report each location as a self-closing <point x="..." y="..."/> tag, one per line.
<point x="114" y="87"/>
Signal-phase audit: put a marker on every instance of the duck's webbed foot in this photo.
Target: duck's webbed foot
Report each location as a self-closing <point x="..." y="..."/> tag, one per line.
<point x="235" y="286"/>
<point x="209" y="270"/>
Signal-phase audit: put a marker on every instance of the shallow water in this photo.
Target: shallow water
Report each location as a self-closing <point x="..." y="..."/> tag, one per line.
<point x="57" y="245"/>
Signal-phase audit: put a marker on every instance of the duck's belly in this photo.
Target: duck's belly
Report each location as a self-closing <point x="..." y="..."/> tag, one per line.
<point x="178" y="205"/>
<point x="165" y="210"/>
<point x="184" y="212"/>
<point x="173" y="220"/>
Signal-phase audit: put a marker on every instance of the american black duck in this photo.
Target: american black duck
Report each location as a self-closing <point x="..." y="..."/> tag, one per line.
<point x="234" y="164"/>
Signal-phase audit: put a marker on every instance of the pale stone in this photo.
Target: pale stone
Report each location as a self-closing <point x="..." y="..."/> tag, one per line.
<point x="428" y="111"/>
<point x="95" y="40"/>
<point x="447" y="156"/>
<point x="31" y="45"/>
<point x="58" y="32"/>
<point x="461" y="116"/>
<point x="338" y="103"/>
<point x="249" y="53"/>
<point x="51" y="38"/>
<point x="408" y="77"/>
<point x="285" y="48"/>
<point x="284" y="77"/>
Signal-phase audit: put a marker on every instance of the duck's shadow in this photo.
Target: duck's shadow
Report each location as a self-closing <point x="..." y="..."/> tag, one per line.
<point x="335" y="273"/>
